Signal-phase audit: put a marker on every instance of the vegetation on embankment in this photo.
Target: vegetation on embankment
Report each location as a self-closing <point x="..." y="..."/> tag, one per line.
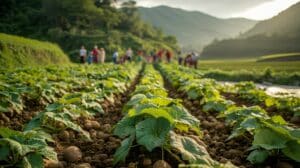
<point x="286" y="73"/>
<point x="17" y="51"/>
<point x="72" y="23"/>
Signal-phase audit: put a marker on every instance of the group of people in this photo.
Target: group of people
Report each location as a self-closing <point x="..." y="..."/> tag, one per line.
<point x="98" y="55"/>
<point x="158" y="56"/>
<point x="190" y="60"/>
<point x="94" y="56"/>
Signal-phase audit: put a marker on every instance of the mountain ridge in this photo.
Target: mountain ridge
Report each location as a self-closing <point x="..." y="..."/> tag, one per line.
<point x="194" y="29"/>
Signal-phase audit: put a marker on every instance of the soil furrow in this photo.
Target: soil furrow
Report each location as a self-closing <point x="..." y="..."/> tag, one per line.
<point x="99" y="152"/>
<point x="216" y="133"/>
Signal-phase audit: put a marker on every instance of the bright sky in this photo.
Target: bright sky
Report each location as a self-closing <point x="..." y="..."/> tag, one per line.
<point x="252" y="9"/>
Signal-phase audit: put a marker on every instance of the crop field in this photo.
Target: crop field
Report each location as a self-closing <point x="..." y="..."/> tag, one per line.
<point x="142" y="115"/>
<point x="249" y="65"/>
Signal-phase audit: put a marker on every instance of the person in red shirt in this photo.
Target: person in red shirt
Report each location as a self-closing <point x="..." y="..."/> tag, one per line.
<point x="96" y="54"/>
<point x="160" y="54"/>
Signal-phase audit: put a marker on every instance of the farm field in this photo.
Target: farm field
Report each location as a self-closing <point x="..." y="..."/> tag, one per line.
<point x="280" y="73"/>
<point x="249" y="65"/>
<point x="141" y="115"/>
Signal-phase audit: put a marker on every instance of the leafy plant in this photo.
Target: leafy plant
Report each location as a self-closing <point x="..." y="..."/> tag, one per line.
<point x="24" y="149"/>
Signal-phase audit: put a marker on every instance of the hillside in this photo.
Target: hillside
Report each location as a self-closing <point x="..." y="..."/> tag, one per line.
<point x="194" y="29"/>
<point x="19" y="52"/>
<point x="279" y="34"/>
<point x="72" y="23"/>
<point x="286" y="23"/>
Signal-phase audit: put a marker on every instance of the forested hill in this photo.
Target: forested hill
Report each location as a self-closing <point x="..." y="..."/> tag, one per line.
<point x="286" y="23"/>
<point x="194" y="29"/>
<point x="72" y="23"/>
<point x="280" y="34"/>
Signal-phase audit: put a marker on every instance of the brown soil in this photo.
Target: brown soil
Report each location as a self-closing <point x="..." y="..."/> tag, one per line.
<point x="17" y="121"/>
<point x="99" y="152"/>
<point x="216" y="133"/>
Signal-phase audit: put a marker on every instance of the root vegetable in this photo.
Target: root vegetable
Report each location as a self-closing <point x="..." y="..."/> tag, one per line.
<point x="72" y="154"/>
<point x="88" y="125"/>
<point x="107" y="128"/>
<point x="83" y="165"/>
<point x="161" y="164"/>
<point x="64" y="135"/>
<point x="95" y="124"/>
<point x="133" y="165"/>
<point x="53" y="164"/>
<point x="147" y="162"/>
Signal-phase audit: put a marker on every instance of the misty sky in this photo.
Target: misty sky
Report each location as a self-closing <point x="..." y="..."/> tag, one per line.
<point x="252" y="9"/>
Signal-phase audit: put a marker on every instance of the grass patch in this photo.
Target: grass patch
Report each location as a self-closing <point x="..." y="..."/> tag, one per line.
<point x="249" y="65"/>
<point x="280" y="57"/>
<point x="17" y="51"/>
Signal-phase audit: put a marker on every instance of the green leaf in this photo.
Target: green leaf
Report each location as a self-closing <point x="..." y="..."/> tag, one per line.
<point x="4" y="152"/>
<point x="270" y="102"/>
<point x="292" y="150"/>
<point x="269" y="139"/>
<point x="125" y="127"/>
<point x="35" y="160"/>
<point x="152" y="132"/>
<point x="191" y="151"/>
<point x="157" y="113"/>
<point x="279" y="120"/>
<point x="54" y="107"/>
<point x="123" y="150"/>
<point x="258" y="156"/>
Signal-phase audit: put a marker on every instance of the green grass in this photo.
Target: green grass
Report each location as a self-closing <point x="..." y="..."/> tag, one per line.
<point x="250" y="65"/>
<point x="17" y="51"/>
<point x="280" y="57"/>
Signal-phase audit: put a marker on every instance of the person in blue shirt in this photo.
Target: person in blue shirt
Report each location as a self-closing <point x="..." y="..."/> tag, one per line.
<point x="115" y="57"/>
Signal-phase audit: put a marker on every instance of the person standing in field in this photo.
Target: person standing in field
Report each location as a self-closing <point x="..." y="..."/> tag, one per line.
<point x="115" y="57"/>
<point x="83" y="54"/>
<point x="129" y="54"/>
<point x="180" y="58"/>
<point x="169" y="56"/>
<point x="90" y="58"/>
<point x="96" y="54"/>
<point x="195" y="60"/>
<point x="102" y="55"/>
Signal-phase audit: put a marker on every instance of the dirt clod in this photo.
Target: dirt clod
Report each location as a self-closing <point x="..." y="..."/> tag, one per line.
<point x="161" y="164"/>
<point x="72" y="154"/>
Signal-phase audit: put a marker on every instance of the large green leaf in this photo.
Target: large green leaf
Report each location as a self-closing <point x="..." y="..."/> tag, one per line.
<point x="152" y="132"/>
<point x="258" y="156"/>
<point x="191" y="151"/>
<point x="155" y="112"/>
<point x="292" y="150"/>
<point x="125" y="127"/>
<point x="123" y="150"/>
<point x="269" y="139"/>
<point x="35" y="160"/>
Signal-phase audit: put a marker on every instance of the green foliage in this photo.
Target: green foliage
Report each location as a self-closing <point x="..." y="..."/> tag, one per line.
<point x="270" y="134"/>
<point x="72" y="23"/>
<point x="24" y="149"/>
<point x="151" y="117"/>
<point x="19" y="52"/>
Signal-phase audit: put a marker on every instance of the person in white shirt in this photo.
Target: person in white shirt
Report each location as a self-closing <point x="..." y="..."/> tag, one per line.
<point x="102" y="55"/>
<point x="129" y="54"/>
<point x="83" y="54"/>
